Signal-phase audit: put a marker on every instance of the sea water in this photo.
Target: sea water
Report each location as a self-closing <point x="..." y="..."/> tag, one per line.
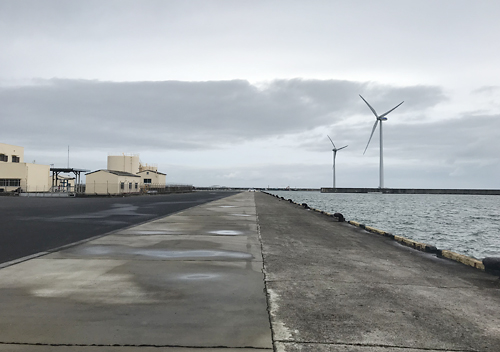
<point x="465" y="224"/>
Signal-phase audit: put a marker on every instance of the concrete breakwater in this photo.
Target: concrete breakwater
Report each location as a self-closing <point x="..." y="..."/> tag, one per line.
<point x="488" y="264"/>
<point x="411" y="191"/>
<point x="336" y="287"/>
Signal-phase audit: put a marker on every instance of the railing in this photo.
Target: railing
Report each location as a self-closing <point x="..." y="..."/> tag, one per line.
<point x="129" y="188"/>
<point x="162" y="188"/>
<point x="101" y="189"/>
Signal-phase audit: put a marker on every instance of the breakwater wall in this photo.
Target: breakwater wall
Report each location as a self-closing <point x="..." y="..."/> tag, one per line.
<point x="411" y="191"/>
<point x="489" y="264"/>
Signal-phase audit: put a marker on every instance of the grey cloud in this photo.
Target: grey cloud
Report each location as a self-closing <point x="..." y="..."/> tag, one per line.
<point x="187" y="115"/>
<point x="487" y="90"/>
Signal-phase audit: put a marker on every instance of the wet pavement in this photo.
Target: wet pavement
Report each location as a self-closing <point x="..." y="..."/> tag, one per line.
<point x="33" y="225"/>
<point x="180" y="283"/>
<point x="246" y="273"/>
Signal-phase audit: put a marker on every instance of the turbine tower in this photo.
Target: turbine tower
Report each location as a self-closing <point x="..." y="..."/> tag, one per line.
<point x="377" y="119"/>
<point x="335" y="150"/>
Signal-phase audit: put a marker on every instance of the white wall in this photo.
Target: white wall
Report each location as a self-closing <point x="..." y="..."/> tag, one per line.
<point x="103" y="182"/>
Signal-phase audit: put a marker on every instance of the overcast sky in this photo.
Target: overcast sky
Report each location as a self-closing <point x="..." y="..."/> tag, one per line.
<point x="244" y="93"/>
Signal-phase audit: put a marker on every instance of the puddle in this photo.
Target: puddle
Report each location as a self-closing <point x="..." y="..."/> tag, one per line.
<point x="116" y="210"/>
<point x="227" y="206"/>
<point x="161" y="253"/>
<point x="198" y="277"/>
<point x="240" y="215"/>
<point x="226" y="232"/>
<point x="148" y="232"/>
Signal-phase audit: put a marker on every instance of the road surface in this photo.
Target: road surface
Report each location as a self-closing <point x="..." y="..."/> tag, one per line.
<point x="32" y="225"/>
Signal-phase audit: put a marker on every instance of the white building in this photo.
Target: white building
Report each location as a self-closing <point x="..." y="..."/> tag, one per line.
<point x="16" y="174"/>
<point x="112" y="182"/>
<point x="125" y="174"/>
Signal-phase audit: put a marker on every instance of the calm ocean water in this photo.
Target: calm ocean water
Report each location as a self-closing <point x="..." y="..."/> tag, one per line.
<point x="466" y="224"/>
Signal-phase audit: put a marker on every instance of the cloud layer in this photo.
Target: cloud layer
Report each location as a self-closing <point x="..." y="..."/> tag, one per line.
<point x="189" y="115"/>
<point x="210" y="125"/>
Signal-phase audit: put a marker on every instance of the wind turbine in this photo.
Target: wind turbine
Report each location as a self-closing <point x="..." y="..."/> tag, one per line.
<point x="335" y="150"/>
<point x="379" y="118"/>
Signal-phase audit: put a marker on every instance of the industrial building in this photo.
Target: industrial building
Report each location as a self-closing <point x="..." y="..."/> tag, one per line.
<point x="124" y="175"/>
<point x="15" y="174"/>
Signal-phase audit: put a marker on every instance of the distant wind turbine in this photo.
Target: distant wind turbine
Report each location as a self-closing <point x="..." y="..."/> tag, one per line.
<point x="379" y="118"/>
<point x="335" y="150"/>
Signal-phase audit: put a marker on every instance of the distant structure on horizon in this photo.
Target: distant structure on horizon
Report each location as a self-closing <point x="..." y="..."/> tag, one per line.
<point x="335" y="150"/>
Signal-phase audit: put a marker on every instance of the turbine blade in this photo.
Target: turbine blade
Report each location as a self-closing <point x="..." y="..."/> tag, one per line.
<point x="342" y="148"/>
<point x="394" y="108"/>
<point x="372" y="109"/>
<point x="331" y="141"/>
<point x="373" y="130"/>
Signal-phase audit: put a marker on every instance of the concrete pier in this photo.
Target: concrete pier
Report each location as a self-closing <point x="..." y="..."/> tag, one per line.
<point x="249" y="272"/>
<point x="336" y="287"/>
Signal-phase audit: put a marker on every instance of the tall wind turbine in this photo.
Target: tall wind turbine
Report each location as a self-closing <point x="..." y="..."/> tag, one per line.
<point x="379" y="118"/>
<point x="335" y="150"/>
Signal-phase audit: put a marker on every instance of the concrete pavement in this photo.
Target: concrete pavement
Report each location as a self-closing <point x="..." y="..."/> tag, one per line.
<point x="336" y="287"/>
<point x="184" y="282"/>
<point x="194" y="281"/>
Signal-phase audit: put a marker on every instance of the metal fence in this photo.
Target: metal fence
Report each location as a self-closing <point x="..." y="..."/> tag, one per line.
<point x="124" y="188"/>
<point x="102" y="189"/>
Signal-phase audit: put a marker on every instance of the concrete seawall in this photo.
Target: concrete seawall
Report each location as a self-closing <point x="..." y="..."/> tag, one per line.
<point x="336" y="287"/>
<point x="411" y="191"/>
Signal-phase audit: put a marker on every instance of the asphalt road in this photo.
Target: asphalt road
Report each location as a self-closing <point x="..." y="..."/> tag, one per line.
<point x="32" y="225"/>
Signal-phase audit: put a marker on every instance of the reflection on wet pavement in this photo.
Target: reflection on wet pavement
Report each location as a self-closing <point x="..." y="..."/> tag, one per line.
<point x="159" y="253"/>
<point x="198" y="276"/>
<point x="116" y="210"/>
<point x="227" y="232"/>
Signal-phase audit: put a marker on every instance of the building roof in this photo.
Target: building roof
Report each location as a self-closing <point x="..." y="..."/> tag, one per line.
<point x="114" y="172"/>
<point x="67" y="169"/>
<point x="156" y="172"/>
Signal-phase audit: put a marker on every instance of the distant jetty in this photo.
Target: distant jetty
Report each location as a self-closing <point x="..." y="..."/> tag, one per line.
<point x="411" y="191"/>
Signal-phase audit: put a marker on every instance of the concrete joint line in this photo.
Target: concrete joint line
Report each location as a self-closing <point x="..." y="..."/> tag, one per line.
<point x="266" y="291"/>
<point x="378" y="283"/>
<point x="372" y="345"/>
<point x="128" y="345"/>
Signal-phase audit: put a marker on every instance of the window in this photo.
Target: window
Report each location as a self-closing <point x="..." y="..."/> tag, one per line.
<point x="130" y="185"/>
<point x="136" y="185"/>
<point x="4" y="157"/>
<point x="15" y="159"/>
<point x="10" y="182"/>
<point x="147" y="180"/>
<point x="122" y="185"/>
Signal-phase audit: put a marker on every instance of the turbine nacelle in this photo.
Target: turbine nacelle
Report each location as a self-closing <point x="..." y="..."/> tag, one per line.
<point x="377" y="119"/>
